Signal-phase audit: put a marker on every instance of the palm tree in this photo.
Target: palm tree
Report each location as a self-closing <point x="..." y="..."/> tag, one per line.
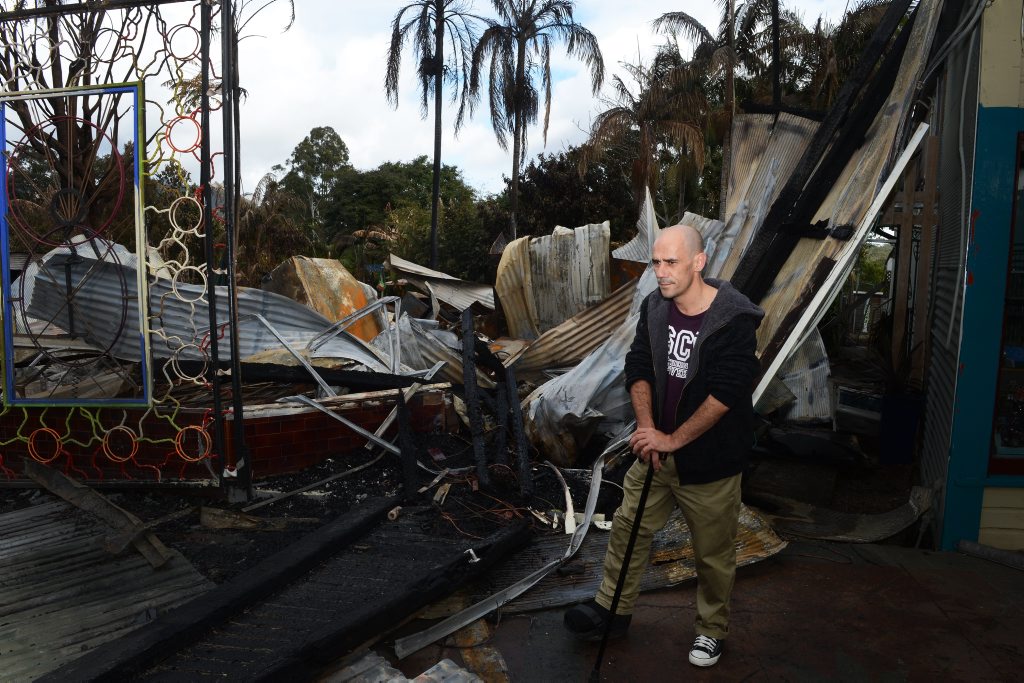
<point x="517" y="49"/>
<point x="735" y="44"/>
<point x="668" y="114"/>
<point x="427" y="22"/>
<point x="829" y="52"/>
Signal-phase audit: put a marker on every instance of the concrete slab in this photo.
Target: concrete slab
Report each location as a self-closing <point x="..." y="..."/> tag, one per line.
<point x="816" y="611"/>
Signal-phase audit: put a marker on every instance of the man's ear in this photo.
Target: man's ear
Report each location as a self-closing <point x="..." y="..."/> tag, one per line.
<point x="700" y="261"/>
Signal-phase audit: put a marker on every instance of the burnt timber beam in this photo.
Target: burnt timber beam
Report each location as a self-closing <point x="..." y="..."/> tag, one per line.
<point x="131" y="654"/>
<point x="519" y="434"/>
<point x="832" y="166"/>
<point x="294" y="374"/>
<point x="118" y="519"/>
<point x="325" y="647"/>
<point x="408" y="449"/>
<point x="501" y="411"/>
<point x="476" y="420"/>
<point x="755" y="272"/>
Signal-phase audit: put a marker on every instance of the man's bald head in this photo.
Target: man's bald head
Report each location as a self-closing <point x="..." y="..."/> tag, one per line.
<point x="684" y="235"/>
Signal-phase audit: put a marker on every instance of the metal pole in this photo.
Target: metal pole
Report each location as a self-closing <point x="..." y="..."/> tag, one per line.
<point x="212" y="374"/>
<point x="243" y="466"/>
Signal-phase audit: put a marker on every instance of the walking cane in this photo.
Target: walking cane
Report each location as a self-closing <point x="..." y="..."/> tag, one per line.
<point x="595" y="675"/>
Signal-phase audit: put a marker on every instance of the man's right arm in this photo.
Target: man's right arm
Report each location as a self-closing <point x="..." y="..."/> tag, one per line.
<point x="642" y="397"/>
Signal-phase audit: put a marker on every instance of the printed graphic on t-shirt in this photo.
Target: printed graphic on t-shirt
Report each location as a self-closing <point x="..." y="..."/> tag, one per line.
<point x="680" y="344"/>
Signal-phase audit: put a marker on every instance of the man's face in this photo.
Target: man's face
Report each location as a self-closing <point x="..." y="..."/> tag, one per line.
<point x="675" y="266"/>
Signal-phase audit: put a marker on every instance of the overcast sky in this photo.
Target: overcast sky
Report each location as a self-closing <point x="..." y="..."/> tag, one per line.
<point x="328" y="70"/>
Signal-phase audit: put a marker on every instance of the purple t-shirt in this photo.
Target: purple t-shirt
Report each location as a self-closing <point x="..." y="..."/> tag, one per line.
<point x="682" y="337"/>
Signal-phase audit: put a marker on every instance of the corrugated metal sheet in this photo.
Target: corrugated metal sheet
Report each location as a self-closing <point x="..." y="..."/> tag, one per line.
<point x="946" y="294"/>
<point x="328" y="288"/>
<point x="61" y="594"/>
<point x="453" y="291"/>
<point x="178" y="315"/>
<point x="573" y="340"/>
<point x="424" y="344"/>
<point x="639" y="248"/>
<point x="765" y="152"/>
<point x="573" y="266"/>
<point x="561" y="415"/>
<point x="514" y="284"/>
<point x="852" y="194"/>
<point x="19" y="260"/>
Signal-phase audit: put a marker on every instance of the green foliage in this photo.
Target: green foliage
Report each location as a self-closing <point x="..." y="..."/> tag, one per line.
<point x="552" y="192"/>
<point x="316" y="166"/>
<point x="362" y="199"/>
<point x="388" y="209"/>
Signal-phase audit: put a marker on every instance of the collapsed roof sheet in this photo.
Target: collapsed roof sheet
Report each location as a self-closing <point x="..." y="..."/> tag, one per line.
<point x="424" y="344"/>
<point x="563" y="413"/>
<point x="573" y="340"/>
<point x="451" y="290"/>
<point x="63" y="593"/>
<point x="178" y="314"/>
<point x="797" y="296"/>
<point x="573" y="266"/>
<point x="765" y="151"/>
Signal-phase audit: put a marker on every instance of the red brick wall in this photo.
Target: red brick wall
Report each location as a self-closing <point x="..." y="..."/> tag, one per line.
<point x="276" y="445"/>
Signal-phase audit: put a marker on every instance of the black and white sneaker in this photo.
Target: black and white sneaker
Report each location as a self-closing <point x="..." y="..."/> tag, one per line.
<point x="705" y="651"/>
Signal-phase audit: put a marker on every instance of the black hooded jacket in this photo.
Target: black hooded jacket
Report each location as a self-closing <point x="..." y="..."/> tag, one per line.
<point x="726" y="368"/>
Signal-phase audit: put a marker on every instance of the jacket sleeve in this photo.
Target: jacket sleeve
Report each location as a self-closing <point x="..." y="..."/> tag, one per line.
<point x="639" y="364"/>
<point x="735" y="367"/>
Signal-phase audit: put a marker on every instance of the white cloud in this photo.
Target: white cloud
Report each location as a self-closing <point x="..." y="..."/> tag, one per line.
<point x="328" y="70"/>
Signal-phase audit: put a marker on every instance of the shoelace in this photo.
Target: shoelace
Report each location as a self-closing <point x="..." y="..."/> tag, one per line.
<point x="705" y="643"/>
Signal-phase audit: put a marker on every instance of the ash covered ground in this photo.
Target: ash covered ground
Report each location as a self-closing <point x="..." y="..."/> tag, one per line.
<point x="221" y="553"/>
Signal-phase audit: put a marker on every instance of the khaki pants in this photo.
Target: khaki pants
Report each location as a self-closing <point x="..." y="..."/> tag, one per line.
<point x="711" y="512"/>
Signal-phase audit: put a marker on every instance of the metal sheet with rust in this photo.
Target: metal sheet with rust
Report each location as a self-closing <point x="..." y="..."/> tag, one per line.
<point x="326" y="286"/>
<point x="544" y="281"/>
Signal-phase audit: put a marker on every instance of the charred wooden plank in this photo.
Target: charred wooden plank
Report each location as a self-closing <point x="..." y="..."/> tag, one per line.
<point x="361" y="380"/>
<point x="758" y="268"/>
<point x="375" y="617"/>
<point x="83" y="497"/>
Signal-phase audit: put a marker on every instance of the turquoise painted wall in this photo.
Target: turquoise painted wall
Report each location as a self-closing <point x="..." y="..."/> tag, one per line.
<point x="987" y="257"/>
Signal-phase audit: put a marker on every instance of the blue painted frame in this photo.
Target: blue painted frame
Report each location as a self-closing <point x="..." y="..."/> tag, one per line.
<point x="988" y="253"/>
<point x="9" y="397"/>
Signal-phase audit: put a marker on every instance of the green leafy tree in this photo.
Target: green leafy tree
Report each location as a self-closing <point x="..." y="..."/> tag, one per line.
<point x="427" y="23"/>
<point x="270" y="234"/>
<point x="516" y="51"/>
<point x="315" y="167"/>
<point x="395" y="195"/>
<point x="554" y="192"/>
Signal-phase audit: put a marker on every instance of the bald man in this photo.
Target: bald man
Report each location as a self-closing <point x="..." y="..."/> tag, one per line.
<point x="690" y="373"/>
